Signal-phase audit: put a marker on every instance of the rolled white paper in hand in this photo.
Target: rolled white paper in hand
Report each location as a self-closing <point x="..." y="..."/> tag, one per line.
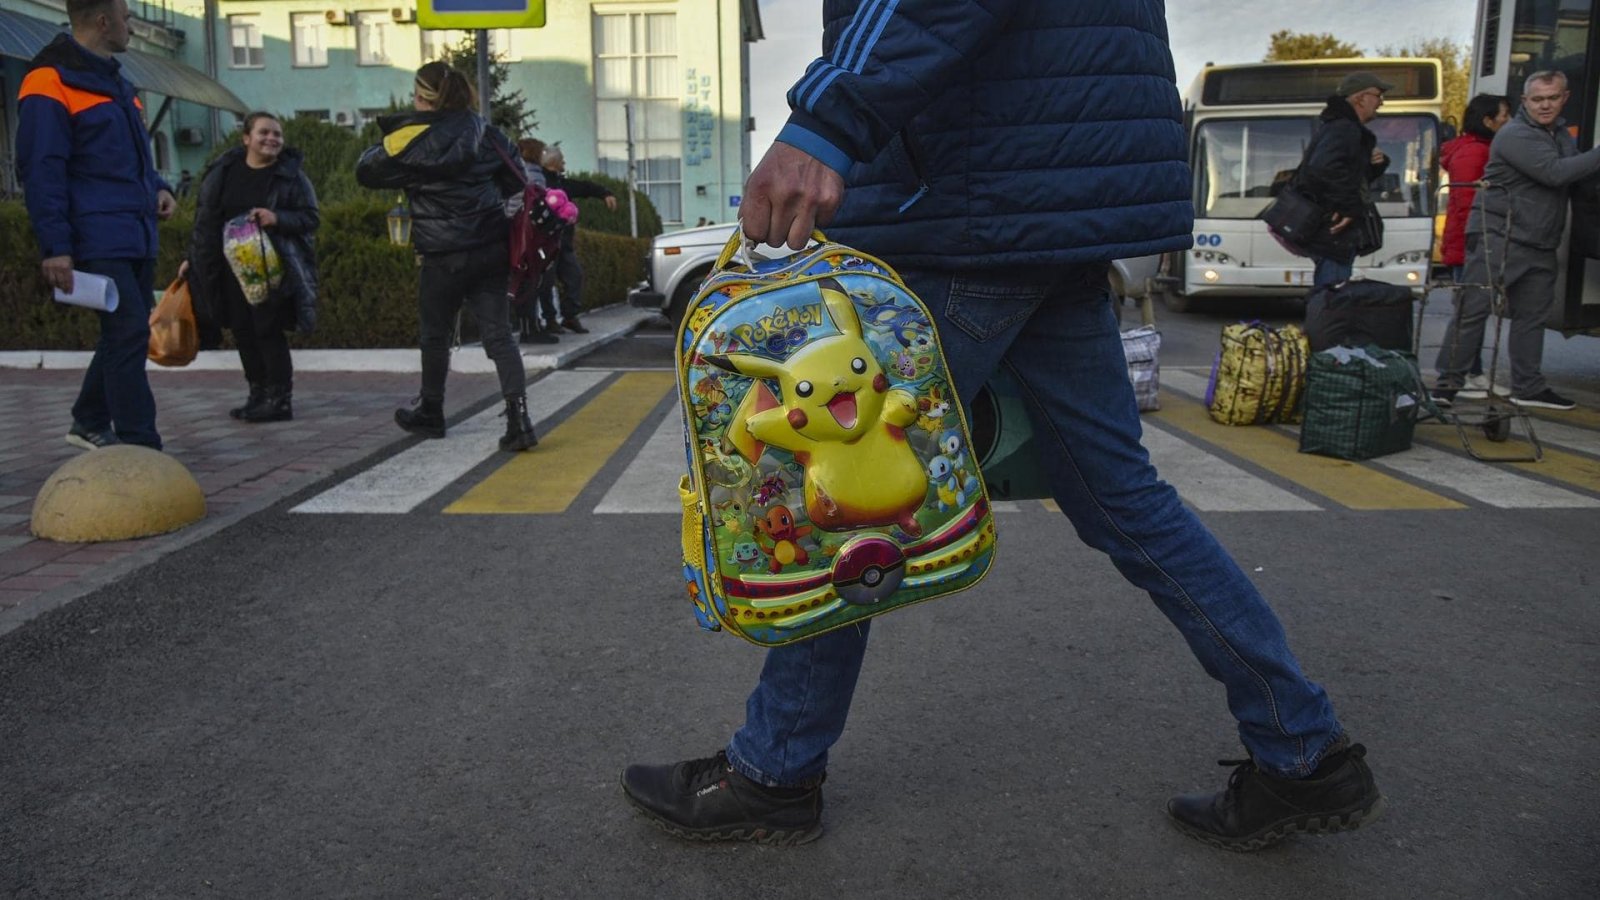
<point x="90" y="290"/>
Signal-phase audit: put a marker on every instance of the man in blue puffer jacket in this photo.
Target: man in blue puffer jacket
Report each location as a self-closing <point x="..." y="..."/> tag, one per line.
<point x="93" y="196"/>
<point x="1000" y="153"/>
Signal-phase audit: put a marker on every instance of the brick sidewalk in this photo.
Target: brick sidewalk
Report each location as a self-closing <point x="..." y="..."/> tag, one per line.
<point x="340" y="418"/>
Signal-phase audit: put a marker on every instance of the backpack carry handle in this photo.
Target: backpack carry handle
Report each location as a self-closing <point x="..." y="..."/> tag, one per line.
<point x="745" y="248"/>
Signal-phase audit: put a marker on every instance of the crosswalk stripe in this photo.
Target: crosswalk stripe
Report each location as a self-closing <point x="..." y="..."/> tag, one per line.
<point x="402" y="482"/>
<point x="1581" y="417"/>
<point x="650" y="482"/>
<point x="548" y="479"/>
<point x="1345" y="483"/>
<point x="1557" y="465"/>
<point x="1489" y="483"/>
<point x="1581" y="439"/>
<point x="1212" y="484"/>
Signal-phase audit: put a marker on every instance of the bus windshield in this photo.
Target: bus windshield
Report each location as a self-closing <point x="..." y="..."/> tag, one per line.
<point x="1237" y="162"/>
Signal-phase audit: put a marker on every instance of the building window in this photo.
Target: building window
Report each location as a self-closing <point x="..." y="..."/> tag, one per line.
<point x="372" y="38"/>
<point x="435" y="43"/>
<point x="244" y="37"/>
<point x="636" y="63"/>
<point x="371" y="113"/>
<point x="310" y="39"/>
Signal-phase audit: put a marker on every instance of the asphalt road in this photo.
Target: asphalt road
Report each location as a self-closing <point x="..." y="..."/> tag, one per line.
<point x="437" y="705"/>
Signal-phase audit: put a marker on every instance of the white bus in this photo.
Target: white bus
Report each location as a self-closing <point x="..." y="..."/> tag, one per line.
<point x="1248" y="126"/>
<point x="1516" y="38"/>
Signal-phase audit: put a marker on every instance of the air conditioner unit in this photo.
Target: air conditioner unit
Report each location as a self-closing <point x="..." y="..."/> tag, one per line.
<point x="345" y="118"/>
<point x="337" y="17"/>
<point x="403" y="16"/>
<point x="191" y="136"/>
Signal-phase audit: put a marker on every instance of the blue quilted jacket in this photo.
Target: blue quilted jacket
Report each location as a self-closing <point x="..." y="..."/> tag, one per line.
<point x="988" y="133"/>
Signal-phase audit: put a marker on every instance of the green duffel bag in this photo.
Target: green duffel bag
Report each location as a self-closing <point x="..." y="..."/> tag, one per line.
<point x="1361" y="403"/>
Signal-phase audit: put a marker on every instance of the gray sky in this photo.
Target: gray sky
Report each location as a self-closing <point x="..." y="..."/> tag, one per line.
<point x="1218" y="31"/>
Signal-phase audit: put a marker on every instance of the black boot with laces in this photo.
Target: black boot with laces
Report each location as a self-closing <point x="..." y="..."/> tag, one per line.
<point x="519" y="428"/>
<point x="706" y="800"/>
<point x="1259" y="809"/>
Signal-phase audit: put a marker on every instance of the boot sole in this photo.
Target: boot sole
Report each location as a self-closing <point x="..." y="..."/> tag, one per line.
<point x="1348" y="819"/>
<point x="753" y="834"/>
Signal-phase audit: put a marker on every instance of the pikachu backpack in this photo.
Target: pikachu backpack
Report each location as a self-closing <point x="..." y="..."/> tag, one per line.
<point x="830" y="470"/>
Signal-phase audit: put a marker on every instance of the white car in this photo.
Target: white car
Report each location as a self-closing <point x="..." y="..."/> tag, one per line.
<point x="680" y="260"/>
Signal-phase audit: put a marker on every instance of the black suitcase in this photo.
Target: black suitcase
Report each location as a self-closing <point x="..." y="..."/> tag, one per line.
<point x="1358" y="313"/>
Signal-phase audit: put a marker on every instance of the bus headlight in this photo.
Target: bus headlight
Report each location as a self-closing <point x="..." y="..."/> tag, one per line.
<point x="1211" y="275"/>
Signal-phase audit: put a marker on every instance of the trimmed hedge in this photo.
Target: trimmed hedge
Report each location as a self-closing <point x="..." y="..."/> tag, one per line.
<point x="368" y="286"/>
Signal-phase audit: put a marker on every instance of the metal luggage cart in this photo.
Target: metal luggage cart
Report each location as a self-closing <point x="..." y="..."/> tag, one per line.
<point x="1495" y="417"/>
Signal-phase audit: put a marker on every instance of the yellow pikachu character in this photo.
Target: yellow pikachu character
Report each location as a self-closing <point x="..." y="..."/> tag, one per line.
<point x="840" y="419"/>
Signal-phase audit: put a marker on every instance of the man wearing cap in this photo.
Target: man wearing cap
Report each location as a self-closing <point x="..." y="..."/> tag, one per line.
<point x="1340" y="166"/>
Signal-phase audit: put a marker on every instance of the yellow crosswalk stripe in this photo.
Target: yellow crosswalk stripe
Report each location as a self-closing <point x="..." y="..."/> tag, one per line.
<point x="548" y="478"/>
<point x="1346" y="483"/>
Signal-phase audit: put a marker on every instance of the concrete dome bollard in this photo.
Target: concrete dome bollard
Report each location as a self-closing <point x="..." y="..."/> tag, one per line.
<point x="115" y="493"/>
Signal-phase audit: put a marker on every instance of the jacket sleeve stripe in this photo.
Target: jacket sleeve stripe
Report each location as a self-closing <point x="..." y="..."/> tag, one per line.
<point x="45" y="82"/>
<point x="850" y="47"/>
<point x="860" y="57"/>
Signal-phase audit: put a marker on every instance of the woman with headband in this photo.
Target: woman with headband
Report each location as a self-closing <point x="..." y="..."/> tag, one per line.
<point x="444" y="156"/>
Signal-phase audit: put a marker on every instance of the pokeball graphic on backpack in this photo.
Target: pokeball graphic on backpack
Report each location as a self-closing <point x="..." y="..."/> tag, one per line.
<point x="868" y="569"/>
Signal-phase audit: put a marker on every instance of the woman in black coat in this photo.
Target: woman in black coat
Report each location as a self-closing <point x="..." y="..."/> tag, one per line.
<point x="262" y="180"/>
<point x="456" y="171"/>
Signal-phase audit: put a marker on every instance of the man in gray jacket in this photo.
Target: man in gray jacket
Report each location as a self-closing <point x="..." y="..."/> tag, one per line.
<point x="1512" y="235"/>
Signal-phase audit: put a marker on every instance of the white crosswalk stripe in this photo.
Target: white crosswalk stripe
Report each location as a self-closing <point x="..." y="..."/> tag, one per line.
<point x="650" y="483"/>
<point x="1211" y="484"/>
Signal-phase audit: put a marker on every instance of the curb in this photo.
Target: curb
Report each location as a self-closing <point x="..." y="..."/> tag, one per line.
<point x="606" y="324"/>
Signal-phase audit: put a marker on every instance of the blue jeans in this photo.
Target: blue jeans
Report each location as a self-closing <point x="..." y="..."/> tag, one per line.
<point x="1331" y="271"/>
<point x="1056" y="332"/>
<point x="116" y="389"/>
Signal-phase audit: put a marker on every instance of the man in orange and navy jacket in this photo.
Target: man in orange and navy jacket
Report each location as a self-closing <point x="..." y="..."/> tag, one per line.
<point x="93" y="196"/>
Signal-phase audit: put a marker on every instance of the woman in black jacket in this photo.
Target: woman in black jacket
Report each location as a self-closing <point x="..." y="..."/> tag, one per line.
<point x="446" y="159"/>
<point x="261" y="179"/>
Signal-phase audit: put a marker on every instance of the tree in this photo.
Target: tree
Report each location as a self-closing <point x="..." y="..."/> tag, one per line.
<point x="1287" y="45"/>
<point x="1455" y="63"/>
<point x="508" y="111"/>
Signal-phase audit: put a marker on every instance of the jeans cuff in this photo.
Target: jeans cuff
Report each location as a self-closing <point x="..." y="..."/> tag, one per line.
<point x="765" y="780"/>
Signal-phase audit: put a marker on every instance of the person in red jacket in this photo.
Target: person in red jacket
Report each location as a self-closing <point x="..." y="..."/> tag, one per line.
<point x="1463" y="160"/>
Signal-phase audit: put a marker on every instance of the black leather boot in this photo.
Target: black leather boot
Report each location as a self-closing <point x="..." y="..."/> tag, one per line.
<point x="519" y="428"/>
<point x="257" y="392"/>
<point x="276" y="405"/>
<point x="427" y="419"/>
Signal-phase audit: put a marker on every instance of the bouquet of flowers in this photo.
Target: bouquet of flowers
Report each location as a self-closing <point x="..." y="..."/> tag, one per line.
<point x="252" y="258"/>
